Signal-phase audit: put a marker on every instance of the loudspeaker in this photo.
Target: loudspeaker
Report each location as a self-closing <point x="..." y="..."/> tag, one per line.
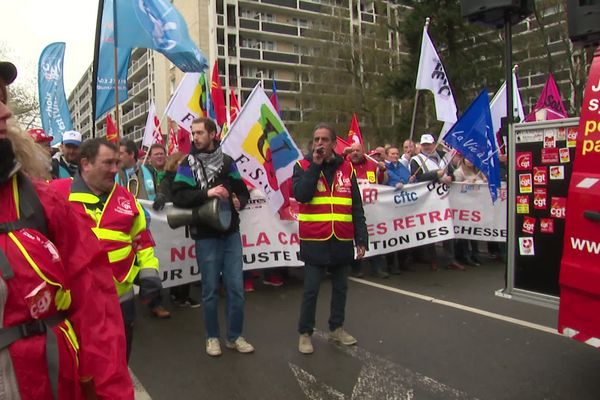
<point x="491" y="12"/>
<point x="583" y="21"/>
<point x="215" y="214"/>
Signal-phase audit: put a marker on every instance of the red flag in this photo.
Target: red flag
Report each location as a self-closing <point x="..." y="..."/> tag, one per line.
<point x="183" y="140"/>
<point x="158" y="138"/>
<point x="112" y="134"/>
<point x="341" y="144"/>
<point x="173" y="145"/>
<point x="550" y="101"/>
<point x="234" y="107"/>
<point x="354" y="135"/>
<point x="217" y="96"/>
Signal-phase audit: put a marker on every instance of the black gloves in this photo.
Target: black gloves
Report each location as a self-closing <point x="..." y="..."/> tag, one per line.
<point x="159" y="202"/>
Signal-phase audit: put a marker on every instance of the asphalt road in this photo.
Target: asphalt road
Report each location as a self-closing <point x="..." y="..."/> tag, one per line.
<point x="409" y="346"/>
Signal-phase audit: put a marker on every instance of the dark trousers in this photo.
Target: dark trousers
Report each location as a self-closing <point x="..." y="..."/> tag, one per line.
<point x="128" y="311"/>
<point x="313" y="275"/>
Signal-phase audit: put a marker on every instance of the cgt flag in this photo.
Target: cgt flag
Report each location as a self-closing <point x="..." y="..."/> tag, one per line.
<point x="262" y="148"/>
<point x="473" y="136"/>
<point x="112" y="133"/>
<point x="173" y="146"/>
<point x="218" y="97"/>
<point x="157" y="25"/>
<point x="432" y="76"/>
<point x="54" y="109"/>
<point x="354" y="135"/>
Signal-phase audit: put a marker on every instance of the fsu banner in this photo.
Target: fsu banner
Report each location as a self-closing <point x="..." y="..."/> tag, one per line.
<point x="418" y="214"/>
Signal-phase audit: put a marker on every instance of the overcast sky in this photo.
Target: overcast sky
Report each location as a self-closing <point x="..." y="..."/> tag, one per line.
<point x="28" y="26"/>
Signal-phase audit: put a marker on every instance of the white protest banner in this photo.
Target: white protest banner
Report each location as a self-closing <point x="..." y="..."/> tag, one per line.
<point x="418" y="214"/>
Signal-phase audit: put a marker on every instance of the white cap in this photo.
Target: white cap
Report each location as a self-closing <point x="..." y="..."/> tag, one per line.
<point x="427" y="138"/>
<point x="72" y="137"/>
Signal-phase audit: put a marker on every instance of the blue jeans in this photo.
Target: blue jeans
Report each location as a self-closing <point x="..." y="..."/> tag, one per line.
<point x="222" y="256"/>
<point x="313" y="274"/>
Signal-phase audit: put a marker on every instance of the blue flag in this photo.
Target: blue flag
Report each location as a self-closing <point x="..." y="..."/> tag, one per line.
<point x="157" y="25"/>
<point x="105" y="81"/>
<point x="54" y="108"/>
<point x="473" y="136"/>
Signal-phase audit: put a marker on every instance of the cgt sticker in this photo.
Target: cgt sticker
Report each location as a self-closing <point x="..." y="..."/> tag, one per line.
<point x="525" y="183"/>
<point x="546" y="225"/>
<point x="526" y="246"/>
<point x="524" y="160"/>
<point x="550" y="156"/>
<point x="558" y="207"/>
<point x="540" y="196"/>
<point x="557" y="172"/>
<point x="540" y="175"/>
<point x="572" y="137"/>
<point x="549" y="139"/>
<point x="528" y="225"/>
<point x="522" y="204"/>
<point x="565" y="157"/>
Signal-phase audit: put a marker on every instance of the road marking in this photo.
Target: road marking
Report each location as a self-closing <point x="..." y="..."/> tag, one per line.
<point x="430" y="299"/>
<point x="379" y="378"/>
<point x="139" y="391"/>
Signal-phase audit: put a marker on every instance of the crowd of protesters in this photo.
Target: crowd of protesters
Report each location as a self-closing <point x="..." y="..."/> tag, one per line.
<point x="94" y="186"/>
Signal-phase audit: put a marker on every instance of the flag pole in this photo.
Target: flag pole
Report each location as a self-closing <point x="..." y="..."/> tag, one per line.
<point x="414" y="114"/>
<point x="117" y="118"/>
<point x="95" y="64"/>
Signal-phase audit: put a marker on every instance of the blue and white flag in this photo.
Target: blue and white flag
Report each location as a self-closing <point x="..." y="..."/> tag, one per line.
<point x="54" y="108"/>
<point x="157" y="25"/>
<point x="105" y="80"/>
<point x="473" y="136"/>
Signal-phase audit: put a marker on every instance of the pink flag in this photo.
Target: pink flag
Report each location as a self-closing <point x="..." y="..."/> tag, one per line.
<point x="549" y="106"/>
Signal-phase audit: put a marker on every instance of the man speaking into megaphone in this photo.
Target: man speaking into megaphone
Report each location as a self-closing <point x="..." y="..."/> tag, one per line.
<point x="205" y="175"/>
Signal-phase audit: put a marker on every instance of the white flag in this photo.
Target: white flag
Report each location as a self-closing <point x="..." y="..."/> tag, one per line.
<point x="152" y="133"/>
<point x="432" y="76"/>
<point x="498" y="105"/>
<point x="262" y="148"/>
<point x="184" y="106"/>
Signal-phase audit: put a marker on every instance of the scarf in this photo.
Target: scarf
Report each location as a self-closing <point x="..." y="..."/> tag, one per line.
<point x="206" y="166"/>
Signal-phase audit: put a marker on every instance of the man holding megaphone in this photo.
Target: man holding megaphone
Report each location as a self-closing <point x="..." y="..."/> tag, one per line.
<point x="207" y="174"/>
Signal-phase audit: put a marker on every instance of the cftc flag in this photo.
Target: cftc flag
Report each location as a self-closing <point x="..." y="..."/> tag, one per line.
<point x="54" y="109"/>
<point x="157" y="25"/>
<point x="432" y="76"/>
<point x="473" y="136"/>
<point x="262" y="148"/>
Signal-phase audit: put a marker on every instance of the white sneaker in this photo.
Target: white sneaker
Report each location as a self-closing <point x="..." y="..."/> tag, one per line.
<point x="343" y="337"/>
<point x="240" y="345"/>
<point x="305" y="344"/>
<point x="213" y="347"/>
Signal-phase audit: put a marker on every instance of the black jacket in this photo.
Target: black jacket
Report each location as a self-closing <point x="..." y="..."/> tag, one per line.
<point x="331" y="251"/>
<point x="185" y="194"/>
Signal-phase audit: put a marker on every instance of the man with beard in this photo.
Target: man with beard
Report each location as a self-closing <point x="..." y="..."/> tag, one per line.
<point x="205" y="174"/>
<point x="61" y="334"/>
<point x="64" y="164"/>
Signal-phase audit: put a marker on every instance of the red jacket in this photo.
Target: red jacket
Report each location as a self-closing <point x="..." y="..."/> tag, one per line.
<point x="66" y="263"/>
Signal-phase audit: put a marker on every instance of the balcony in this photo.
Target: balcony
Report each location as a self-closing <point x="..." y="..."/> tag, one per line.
<point x="137" y="112"/>
<point x="138" y="87"/>
<point x="270" y="56"/>
<point x="139" y="65"/>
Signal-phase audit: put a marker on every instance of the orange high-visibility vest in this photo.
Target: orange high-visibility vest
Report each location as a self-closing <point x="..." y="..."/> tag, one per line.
<point x="329" y="212"/>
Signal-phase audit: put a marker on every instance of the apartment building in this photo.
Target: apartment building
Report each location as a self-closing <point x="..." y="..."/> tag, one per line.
<point x="252" y="40"/>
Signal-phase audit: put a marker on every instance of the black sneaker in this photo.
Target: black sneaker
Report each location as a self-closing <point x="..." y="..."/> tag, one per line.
<point x="191" y="303"/>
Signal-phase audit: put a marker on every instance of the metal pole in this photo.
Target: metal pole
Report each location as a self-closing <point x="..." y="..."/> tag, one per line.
<point x="414" y="114"/>
<point x="508" y="68"/>
<point x="510" y="219"/>
<point x="117" y="119"/>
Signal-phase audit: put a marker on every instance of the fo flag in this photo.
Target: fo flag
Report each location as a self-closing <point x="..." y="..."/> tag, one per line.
<point x="104" y="64"/>
<point x="157" y="25"/>
<point x="473" y="136"/>
<point x="54" y="108"/>
<point x="152" y="132"/>
<point x="262" y="148"/>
